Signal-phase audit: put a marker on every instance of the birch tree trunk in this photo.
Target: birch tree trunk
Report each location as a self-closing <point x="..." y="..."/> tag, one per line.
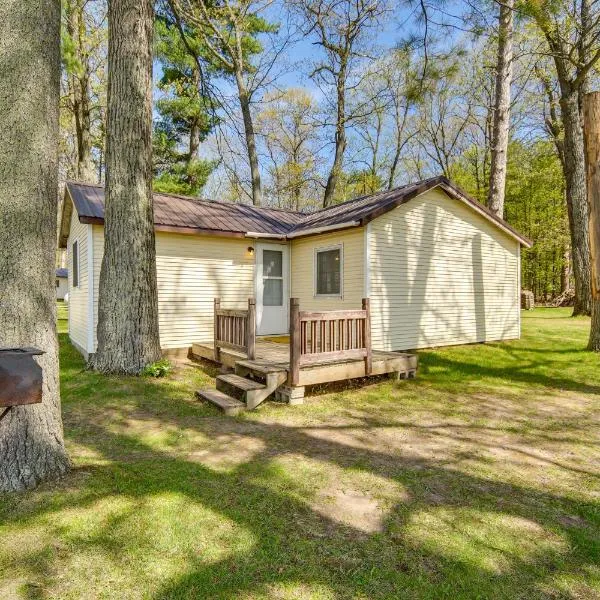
<point x="591" y="115"/>
<point x="31" y="437"/>
<point x="128" y="303"/>
<point x="501" y="125"/>
<point x="577" y="206"/>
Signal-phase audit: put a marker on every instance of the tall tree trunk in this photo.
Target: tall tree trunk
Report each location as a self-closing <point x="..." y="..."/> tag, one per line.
<point x="31" y="437"/>
<point x="565" y="272"/>
<point x="501" y="125"/>
<point x="250" y="137"/>
<point x="128" y="303"/>
<point x="79" y="82"/>
<point x="591" y="114"/>
<point x="577" y="206"/>
<point x="336" y="168"/>
<point x="340" y="139"/>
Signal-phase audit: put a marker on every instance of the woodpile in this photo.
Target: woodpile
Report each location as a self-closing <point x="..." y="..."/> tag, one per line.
<point x="527" y="300"/>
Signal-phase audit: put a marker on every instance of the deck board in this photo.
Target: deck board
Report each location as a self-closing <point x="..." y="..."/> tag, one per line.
<point x="275" y="356"/>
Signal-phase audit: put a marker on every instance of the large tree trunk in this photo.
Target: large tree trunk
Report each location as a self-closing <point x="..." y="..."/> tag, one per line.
<point x="31" y="437"/>
<point x="574" y="164"/>
<point x="128" y="303"/>
<point x="250" y="138"/>
<point x="501" y="125"/>
<point x="591" y="114"/>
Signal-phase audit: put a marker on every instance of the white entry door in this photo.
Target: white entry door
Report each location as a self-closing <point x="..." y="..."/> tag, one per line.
<point x="272" y="288"/>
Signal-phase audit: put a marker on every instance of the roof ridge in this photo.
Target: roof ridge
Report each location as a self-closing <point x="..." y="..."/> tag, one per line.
<point x="375" y="194"/>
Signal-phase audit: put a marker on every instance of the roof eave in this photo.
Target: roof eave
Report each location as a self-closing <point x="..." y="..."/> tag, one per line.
<point x="323" y="229"/>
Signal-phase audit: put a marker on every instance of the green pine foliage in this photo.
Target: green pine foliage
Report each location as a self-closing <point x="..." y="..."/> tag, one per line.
<point x="186" y="116"/>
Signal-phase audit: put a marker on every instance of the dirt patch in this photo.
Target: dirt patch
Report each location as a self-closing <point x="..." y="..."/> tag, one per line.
<point x="351" y="507"/>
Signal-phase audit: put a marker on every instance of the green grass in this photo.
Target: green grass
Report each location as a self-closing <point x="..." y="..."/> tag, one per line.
<point x="479" y="479"/>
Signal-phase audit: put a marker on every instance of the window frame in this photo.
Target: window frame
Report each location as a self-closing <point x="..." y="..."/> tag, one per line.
<point x="75" y="276"/>
<point x="339" y="247"/>
<point x="274" y="277"/>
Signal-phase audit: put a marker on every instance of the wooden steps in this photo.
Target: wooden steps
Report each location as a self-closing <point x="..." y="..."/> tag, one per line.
<point x="245" y="389"/>
<point x="230" y="406"/>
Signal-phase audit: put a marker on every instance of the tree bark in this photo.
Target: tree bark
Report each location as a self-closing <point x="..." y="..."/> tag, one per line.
<point x="340" y="139"/>
<point x="501" y="124"/>
<point x="574" y="161"/>
<point x="31" y="437"/>
<point x="591" y="115"/>
<point x="128" y="302"/>
<point x="250" y="137"/>
<point x="565" y="273"/>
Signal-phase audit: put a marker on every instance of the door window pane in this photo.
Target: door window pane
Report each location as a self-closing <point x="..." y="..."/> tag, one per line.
<point x="272" y="292"/>
<point x="329" y="267"/>
<point x="272" y="263"/>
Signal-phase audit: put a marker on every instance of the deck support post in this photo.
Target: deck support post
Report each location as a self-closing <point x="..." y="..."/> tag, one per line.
<point x="366" y="306"/>
<point x="294" y="341"/>
<point x="251" y="330"/>
<point x="217" y="306"/>
<point x="293" y="396"/>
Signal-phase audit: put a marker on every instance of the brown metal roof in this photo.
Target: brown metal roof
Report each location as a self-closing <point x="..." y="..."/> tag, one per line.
<point x="191" y="215"/>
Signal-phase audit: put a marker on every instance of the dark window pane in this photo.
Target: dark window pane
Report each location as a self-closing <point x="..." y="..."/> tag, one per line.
<point x="272" y="292"/>
<point x="75" y="274"/>
<point x="329" y="272"/>
<point x="272" y="263"/>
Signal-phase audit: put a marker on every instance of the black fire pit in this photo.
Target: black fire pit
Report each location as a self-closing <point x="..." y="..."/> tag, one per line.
<point x="20" y="378"/>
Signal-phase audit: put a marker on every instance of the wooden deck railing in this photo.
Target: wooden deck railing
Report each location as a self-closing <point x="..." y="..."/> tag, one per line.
<point x="235" y="329"/>
<point x="330" y="335"/>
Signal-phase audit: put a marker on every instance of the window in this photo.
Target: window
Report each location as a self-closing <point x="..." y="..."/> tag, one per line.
<point x="272" y="278"/>
<point x="328" y="271"/>
<point x="57" y="283"/>
<point x="75" y="269"/>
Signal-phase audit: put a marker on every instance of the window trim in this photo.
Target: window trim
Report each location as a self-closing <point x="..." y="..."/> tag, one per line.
<point x="75" y="273"/>
<point x="275" y="277"/>
<point x="339" y="247"/>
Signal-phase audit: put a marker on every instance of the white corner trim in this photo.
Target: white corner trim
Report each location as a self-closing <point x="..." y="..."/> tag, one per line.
<point x="90" y="306"/>
<point x="519" y="286"/>
<point x="367" y="261"/>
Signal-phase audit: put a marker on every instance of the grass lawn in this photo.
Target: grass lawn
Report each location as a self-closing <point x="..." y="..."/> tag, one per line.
<point x="479" y="479"/>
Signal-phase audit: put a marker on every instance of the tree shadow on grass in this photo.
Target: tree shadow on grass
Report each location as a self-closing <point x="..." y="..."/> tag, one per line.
<point x="525" y="372"/>
<point x="296" y="547"/>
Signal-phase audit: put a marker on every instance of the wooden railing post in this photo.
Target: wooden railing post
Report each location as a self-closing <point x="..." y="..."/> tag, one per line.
<point x="295" y="340"/>
<point x="366" y="305"/>
<point x="251" y="329"/>
<point x="217" y="305"/>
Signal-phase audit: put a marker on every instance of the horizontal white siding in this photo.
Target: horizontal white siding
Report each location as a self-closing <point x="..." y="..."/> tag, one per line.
<point x="303" y="270"/>
<point x="78" y="296"/>
<point x="440" y="274"/>
<point x="191" y="272"/>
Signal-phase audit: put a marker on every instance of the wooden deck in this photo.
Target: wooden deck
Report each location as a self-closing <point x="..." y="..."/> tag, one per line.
<point x="275" y="357"/>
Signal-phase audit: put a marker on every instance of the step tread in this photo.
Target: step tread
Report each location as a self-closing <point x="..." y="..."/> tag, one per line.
<point x="241" y="383"/>
<point x="223" y="401"/>
<point x="260" y="367"/>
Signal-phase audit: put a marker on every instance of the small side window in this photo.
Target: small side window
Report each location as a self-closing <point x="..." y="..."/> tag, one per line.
<point x="75" y="269"/>
<point x="328" y="271"/>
